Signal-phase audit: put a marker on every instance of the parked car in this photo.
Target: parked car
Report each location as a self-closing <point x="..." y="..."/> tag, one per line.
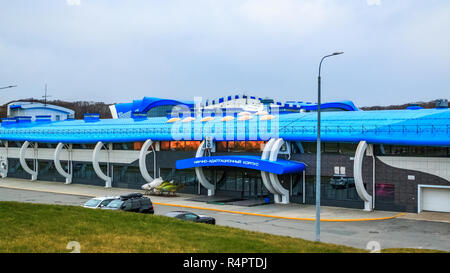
<point x="190" y="216"/>
<point x="342" y="182"/>
<point x="99" y="202"/>
<point x="133" y="202"/>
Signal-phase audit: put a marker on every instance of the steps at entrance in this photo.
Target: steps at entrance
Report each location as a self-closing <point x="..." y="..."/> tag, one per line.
<point x="214" y="199"/>
<point x="248" y="202"/>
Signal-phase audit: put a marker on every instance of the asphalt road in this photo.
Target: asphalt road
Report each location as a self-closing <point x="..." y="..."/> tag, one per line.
<point x="392" y="233"/>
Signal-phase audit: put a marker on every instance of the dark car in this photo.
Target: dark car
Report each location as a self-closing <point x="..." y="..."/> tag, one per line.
<point x="134" y="202"/>
<point x="342" y="182"/>
<point x="189" y="216"/>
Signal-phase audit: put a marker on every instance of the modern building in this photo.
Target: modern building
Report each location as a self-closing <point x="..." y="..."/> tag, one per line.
<point x="245" y="150"/>
<point x="37" y="109"/>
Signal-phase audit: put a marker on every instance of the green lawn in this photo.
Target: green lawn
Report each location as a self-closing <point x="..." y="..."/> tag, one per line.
<point x="48" y="228"/>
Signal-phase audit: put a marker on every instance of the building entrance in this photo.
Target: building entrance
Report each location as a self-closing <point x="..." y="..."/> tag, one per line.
<point x="240" y="183"/>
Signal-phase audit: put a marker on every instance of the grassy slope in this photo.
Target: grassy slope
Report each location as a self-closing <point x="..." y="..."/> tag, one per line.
<point x="48" y="228"/>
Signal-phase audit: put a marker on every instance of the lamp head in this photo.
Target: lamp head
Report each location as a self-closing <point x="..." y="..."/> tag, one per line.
<point x="338" y="53"/>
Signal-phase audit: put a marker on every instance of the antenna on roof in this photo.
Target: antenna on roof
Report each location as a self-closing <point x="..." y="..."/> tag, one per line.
<point x="45" y="96"/>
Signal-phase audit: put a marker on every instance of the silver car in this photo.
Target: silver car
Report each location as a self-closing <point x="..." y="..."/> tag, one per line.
<point x="99" y="202"/>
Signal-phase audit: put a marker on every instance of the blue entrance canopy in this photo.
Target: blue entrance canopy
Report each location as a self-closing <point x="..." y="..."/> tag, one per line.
<point x="243" y="161"/>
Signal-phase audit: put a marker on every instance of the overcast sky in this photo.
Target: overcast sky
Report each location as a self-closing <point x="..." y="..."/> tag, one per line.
<point x="396" y="51"/>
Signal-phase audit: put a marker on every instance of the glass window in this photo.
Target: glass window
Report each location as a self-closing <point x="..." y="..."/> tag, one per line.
<point x="254" y="146"/>
<point x="221" y="146"/>
<point x="105" y="202"/>
<point x="330" y="147"/>
<point x="116" y="204"/>
<point x="385" y="192"/>
<point x="190" y="217"/>
<point x="192" y="145"/>
<point x="137" y="145"/>
<point x="128" y="205"/>
<point x="93" y="203"/>
<point x="347" y="148"/>
<point x="231" y="145"/>
<point x="165" y="145"/>
<point x="437" y="151"/>
<point x="309" y="147"/>
<point x="399" y="150"/>
<point x="177" y="145"/>
<point x="239" y="145"/>
<point x="123" y="146"/>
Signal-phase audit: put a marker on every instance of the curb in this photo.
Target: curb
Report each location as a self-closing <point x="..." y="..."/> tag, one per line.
<point x="284" y="217"/>
<point x="230" y="211"/>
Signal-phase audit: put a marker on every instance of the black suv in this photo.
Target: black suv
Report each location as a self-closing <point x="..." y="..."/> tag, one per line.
<point x="134" y="202"/>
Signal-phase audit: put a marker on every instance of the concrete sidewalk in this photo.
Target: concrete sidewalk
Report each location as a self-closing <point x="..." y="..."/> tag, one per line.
<point x="288" y="211"/>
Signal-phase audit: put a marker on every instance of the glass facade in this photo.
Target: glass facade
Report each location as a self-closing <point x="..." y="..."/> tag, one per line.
<point x="330" y="195"/>
<point x="425" y="151"/>
<point x="239" y="182"/>
<point x="239" y="146"/>
<point x="330" y="148"/>
<point x="179" y="145"/>
<point x="186" y="179"/>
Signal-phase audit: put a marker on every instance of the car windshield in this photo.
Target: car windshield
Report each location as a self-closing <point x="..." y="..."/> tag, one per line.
<point x="115" y="204"/>
<point x="92" y="203"/>
<point x="174" y="214"/>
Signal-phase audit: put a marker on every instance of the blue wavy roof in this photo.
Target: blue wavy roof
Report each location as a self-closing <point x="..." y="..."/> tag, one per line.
<point x="146" y="104"/>
<point x="345" y="105"/>
<point x="408" y="127"/>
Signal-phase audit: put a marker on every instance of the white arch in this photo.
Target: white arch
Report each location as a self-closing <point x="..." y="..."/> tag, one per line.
<point x="23" y="162"/>
<point x="3" y="166"/>
<point x="59" y="168"/>
<point x="265" y="175"/>
<point x="274" y="177"/>
<point x="199" y="172"/>
<point x="142" y="158"/>
<point x="357" y="173"/>
<point x="96" y="165"/>
<point x="4" y="162"/>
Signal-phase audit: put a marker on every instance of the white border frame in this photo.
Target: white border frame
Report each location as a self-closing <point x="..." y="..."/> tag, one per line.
<point x="419" y="193"/>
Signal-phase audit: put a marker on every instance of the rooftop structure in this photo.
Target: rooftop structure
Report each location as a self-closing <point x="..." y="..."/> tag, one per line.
<point x="34" y="109"/>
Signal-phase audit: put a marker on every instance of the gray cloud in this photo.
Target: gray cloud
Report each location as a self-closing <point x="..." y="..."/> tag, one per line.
<point x="122" y="50"/>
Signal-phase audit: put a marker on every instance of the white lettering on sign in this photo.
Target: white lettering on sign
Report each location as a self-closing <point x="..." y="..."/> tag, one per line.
<point x="226" y="161"/>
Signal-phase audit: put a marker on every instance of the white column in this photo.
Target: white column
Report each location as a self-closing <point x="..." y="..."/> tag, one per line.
<point x="59" y="168"/>
<point x="142" y="164"/>
<point x="265" y="175"/>
<point x="199" y="172"/>
<point x="274" y="177"/>
<point x="96" y="165"/>
<point x="357" y="173"/>
<point x="4" y="162"/>
<point x="23" y="162"/>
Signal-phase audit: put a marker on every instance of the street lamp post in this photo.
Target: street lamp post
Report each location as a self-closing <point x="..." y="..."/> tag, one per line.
<point x="317" y="223"/>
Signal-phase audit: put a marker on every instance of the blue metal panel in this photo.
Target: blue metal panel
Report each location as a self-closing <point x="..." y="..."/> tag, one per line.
<point x="241" y="161"/>
<point x="344" y="105"/>
<point x="15" y="106"/>
<point x="148" y="103"/>
<point x="402" y="127"/>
